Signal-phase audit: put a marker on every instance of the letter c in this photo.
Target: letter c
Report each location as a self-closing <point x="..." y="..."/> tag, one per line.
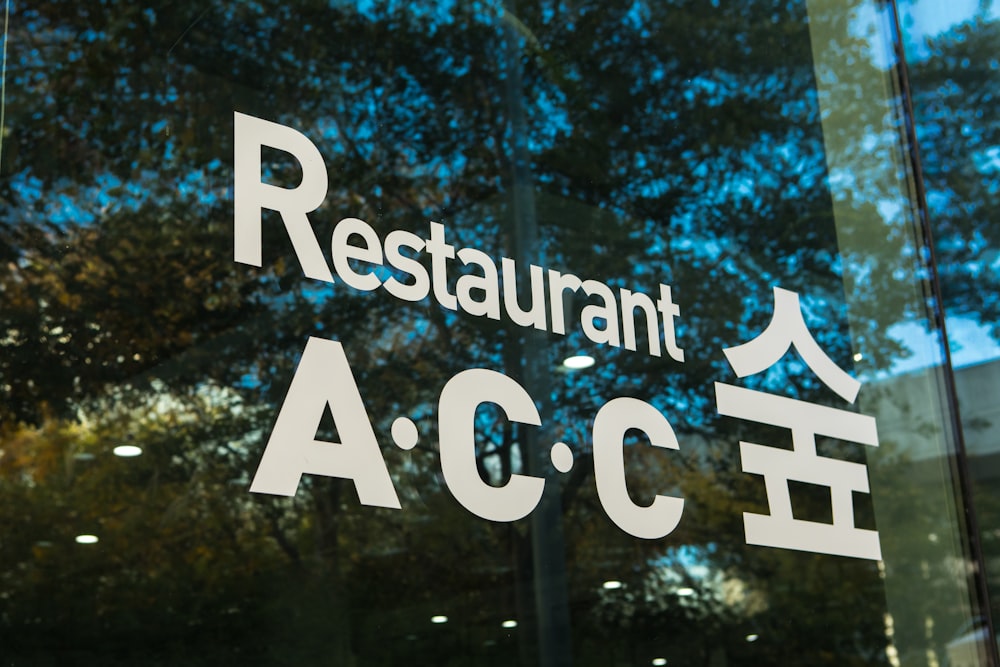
<point x="456" y="418"/>
<point x="612" y="421"/>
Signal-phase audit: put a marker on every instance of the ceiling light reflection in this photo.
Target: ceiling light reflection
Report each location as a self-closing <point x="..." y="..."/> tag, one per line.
<point x="86" y="539"/>
<point x="578" y="362"/>
<point x="612" y="584"/>
<point x="439" y="619"/>
<point x="127" y="451"/>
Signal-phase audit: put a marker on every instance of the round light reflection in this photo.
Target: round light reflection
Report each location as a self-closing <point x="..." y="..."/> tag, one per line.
<point x="127" y="451"/>
<point x="612" y="584"/>
<point x="685" y="592"/>
<point x="439" y="619"/>
<point x="86" y="539"/>
<point x="752" y="638"/>
<point x="511" y="623"/>
<point x="578" y="362"/>
<point x="659" y="661"/>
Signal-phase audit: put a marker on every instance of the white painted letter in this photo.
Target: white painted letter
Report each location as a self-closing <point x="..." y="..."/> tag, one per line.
<point x="251" y="195"/>
<point x="440" y="253"/>
<point x="488" y="284"/>
<point x="421" y="286"/>
<point x="323" y="377"/>
<point x="669" y="310"/>
<point x="342" y="251"/>
<point x="610" y="425"/>
<point x="525" y="318"/>
<point x="631" y="301"/>
<point x="608" y="312"/>
<point x="457" y="414"/>
<point x="557" y="284"/>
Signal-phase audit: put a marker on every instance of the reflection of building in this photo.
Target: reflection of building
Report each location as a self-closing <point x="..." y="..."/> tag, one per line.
<point x="968" y="650"/>
<point x="906" y="401"/>
<point x="907" y="404"/>
<point x="979" y="404"/>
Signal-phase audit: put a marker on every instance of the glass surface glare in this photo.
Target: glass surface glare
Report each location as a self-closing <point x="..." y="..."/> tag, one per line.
<point x="511" y="191"/>
<point x="954" y="75"/>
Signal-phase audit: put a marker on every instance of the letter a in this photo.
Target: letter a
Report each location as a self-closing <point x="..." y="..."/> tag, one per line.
<point x="323" y="377"/>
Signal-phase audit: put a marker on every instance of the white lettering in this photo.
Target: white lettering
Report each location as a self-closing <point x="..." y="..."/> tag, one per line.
<point x="343" y="251"/>
<point x="251" y="194"/>
<point x="631" y="301"/>
<point x="456" y="417"/>
<point x="421" y="282"/>
<point x="610" y="425"/>
<point x="557" y="284"/>
<point x="440" y="253"/>
<point x="669" y="310"/>
<point x="525" y="318"/>
<point x="488" y="284"/>
<point x="606" y="311"/>
<point x="357" y="252"/>
<point x="323" y="377"/>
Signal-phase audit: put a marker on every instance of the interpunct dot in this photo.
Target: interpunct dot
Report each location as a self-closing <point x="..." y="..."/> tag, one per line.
<point x="562" y="457"/>
<point x="404" y="433"/>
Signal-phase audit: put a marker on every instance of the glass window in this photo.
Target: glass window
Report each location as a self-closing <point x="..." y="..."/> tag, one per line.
<point x="471" y="333"/>
<point x="953" y="68"/>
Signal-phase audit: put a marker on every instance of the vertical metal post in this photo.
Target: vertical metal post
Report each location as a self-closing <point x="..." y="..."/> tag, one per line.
<point x="547" y="546"/>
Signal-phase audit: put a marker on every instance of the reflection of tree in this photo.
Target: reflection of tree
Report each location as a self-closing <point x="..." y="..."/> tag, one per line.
<point x="957" y="125"/>
<point x="954" y="104"/>
<point x="655" y="160"/>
